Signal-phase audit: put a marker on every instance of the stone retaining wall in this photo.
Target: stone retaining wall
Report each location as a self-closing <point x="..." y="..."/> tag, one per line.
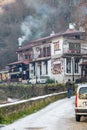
<point x="30" y="105"/>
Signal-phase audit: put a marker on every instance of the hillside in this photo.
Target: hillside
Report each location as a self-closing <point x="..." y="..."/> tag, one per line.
<point x="28" y="20"/>
<point x="4" y="2"/>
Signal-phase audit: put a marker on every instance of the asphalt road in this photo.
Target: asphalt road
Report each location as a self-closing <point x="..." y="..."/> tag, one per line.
<point x="57" y="116"/>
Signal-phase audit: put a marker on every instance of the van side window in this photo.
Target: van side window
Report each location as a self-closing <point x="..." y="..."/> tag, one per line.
<point x="83" y="93"/>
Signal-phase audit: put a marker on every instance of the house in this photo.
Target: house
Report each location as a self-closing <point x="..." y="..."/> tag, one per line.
<point x="58" y="56"/>
<point x="19" y="70"/>
<point x="4" y="75"/>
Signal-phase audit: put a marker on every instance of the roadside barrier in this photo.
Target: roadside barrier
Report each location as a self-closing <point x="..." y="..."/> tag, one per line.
<point x="13" y="111"/>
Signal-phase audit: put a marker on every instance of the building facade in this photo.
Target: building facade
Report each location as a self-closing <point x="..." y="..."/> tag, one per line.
<point x="58" y="56"/>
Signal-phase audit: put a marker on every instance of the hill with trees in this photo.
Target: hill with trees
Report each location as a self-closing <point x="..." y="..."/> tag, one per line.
<point x="27" y="20"/>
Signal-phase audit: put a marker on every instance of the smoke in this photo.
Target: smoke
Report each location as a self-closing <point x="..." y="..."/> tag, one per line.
<point x="34" y="25"/>
<point x="47" y="17"/>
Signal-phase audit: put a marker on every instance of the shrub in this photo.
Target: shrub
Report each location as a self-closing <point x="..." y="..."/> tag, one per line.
<point x="50" y="80"/>
<point x="78" y="80"/>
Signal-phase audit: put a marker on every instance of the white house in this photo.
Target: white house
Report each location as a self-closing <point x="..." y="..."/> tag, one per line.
<point x="58" y="56"/>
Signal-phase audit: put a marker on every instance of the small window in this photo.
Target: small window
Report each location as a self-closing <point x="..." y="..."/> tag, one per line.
<point x="26" y="57"/>
<point x="83" y="93"/>
<point x="56" y="46"/>
<point x="76" y="66"/>
<point x="77" y="36"/>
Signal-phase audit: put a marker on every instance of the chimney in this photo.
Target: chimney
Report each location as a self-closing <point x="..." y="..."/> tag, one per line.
<point x="19" y="42"/>
<point x="52" y="33"/>
<point x="72" y="26"/>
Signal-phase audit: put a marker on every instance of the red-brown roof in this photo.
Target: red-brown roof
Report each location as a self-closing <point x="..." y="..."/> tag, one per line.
<point x="20" y="62"/>
<point x="69" y="32"/>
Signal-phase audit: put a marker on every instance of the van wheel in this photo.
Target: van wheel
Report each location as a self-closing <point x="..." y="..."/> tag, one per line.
<point x="78" y="117"/>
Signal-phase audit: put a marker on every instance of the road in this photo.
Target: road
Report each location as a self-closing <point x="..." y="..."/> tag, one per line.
<point x="57" y="116"/>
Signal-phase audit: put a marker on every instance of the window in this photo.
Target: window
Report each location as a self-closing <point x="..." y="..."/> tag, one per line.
<point x="71" y="46"/>
<point x="68" y="65"/>
<point x="44" y="52"/>
<point x="56" y="46"/>
<point x="76" y="66"/>
<point x="48" y="51"/>
<point x="83" y="93"/>
<point x="74" y="47"/>
<point x="26" y="57"/>
<point x="78" y="50"/>
<point x="77" y="36"/>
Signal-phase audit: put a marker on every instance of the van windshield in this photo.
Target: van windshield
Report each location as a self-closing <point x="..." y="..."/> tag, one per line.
<point x="83" y="93"/>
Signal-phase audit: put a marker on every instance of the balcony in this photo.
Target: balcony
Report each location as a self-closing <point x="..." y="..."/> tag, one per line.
<point x="67" y="53"/>
<point x="42" y="56"/>
<point x="72" y="51"/>
<point x="14" y="71"/>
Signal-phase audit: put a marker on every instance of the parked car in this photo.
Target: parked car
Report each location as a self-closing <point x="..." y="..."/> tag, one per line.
<point x="35" y="80"/>
<point x="81" y="101"/>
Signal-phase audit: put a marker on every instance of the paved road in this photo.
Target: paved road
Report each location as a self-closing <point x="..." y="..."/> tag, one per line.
<point x="57" y="116"/>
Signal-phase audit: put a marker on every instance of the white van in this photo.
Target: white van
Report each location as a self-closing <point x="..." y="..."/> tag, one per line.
<point x="81" y="101"/>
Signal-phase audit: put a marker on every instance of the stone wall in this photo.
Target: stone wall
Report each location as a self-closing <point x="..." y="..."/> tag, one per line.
<point x="28" y="106"/>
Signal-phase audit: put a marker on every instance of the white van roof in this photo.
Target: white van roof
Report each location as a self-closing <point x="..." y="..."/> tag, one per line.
<point x="81" y="85"/>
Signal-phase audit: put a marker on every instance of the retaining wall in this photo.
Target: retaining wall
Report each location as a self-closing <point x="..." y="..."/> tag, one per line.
<point x="30" y="105"/>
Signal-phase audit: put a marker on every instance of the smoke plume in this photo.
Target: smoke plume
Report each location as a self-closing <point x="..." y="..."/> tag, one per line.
<point x="34" y="26"/>
<point x="45" y="18"/>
